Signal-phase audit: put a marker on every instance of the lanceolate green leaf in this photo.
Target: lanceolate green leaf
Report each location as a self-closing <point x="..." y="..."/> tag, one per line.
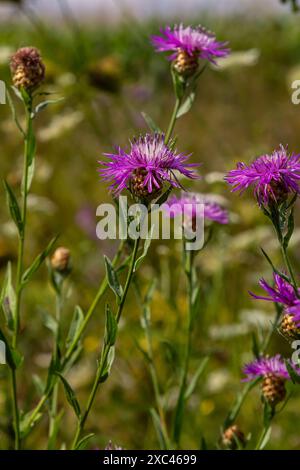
<point x="111" y="327"/>
<point x="193" y="383"/>
<point x="187" y="104"/>
<point x="145" y="250"/>
<point x="84" y="441"/>
<point x="14" y="208"/>
<point x="70" y="395"/>
<point x="38" y="261"/>
<point x="44" y="105"/>
<point x="8" y="298"/>
<point x="112" y="278"/>
<point x="27" y="423"/>
<point x="12" y="356"/>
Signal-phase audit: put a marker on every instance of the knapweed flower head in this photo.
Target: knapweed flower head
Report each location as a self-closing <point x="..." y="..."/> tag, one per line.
<point x="273" y="176"/>
<point x="145" y="167"/>
<point x="187" y="204"/>
<point x="264" y="366"/>
<point x="27" y="68"/>
<point x="189" y="44"/>
<point x="274" y="373"/>
<point x="282" y="292"/>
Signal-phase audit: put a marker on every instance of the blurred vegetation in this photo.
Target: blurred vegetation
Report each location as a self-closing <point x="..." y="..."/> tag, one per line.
<point x="108" y="75"/>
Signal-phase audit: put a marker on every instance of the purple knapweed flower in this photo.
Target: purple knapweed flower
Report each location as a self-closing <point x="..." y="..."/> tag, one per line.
<point x="187" y="204"/>
<point x="273" y="371"/>
<point x="264" y="366"/>
<point x="273" y="176"/>
<point x="189" y="42"/>
<point x="144" y="169"/>
<point x="282" y="292"/>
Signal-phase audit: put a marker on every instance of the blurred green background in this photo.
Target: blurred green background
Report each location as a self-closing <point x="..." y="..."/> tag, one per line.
<point x="108" y="74"/>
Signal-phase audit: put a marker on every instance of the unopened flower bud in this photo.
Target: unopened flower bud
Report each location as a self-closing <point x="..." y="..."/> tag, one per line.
<point x="27" y="68"/>
<point x="273" y="389"/>
<point x="61" y="260"/>
<point x="289" y="328"/>
<point x="186" y="64"/>
<point x="233" y="437"/>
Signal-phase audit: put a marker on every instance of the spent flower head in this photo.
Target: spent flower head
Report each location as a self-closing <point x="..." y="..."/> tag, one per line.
<point x="27" y="68"/>
<point x="189" y="44"/>
<point x="145" y="167"/>
<point x="274" y="176"/>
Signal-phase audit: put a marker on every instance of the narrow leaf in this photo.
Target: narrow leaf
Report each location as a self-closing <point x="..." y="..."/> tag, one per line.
<point x="27" y="423"/>
<point x="12" y="356"/>
<point x="112" y="278"/>
<point x="265" y="439"/>
<point x="108" y="365"/>
<point x="13" y="207"/>
<point x="84" y="441"/>
<point x="145" y="250"/>
<point x="8" y="298"/>
<point x="290" y="229"/>
<point x="70" y="395"/>
<point x="111" y="327"/>
<point x="39" y="384"/>
<point x="44" y="105"/>
<point x="186" y="106"/>
<point x="196" y="377"/>
<point x="38" y="261"/>
<point x="50" y="322"/>
<point x="158" y="429"/>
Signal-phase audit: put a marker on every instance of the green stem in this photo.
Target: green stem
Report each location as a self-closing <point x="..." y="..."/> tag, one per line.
<point x="105" y="351"/>
<point x="173" y="120"/>
<point x="16" y="417"/>
<point x="24" y="218"/>
<point x="262" y="437"/>
<point x="54" y="396"/>
<point x="189" y="271"/>
<point x="20" y="273"/>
